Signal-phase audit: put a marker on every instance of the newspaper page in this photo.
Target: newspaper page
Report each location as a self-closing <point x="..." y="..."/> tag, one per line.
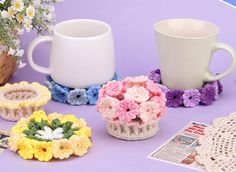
<point x="3" y="140"/>
<point x="180" y="149"/>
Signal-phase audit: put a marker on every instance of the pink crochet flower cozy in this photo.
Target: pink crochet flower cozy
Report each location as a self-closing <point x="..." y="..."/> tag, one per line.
<point x="132" y="107"/>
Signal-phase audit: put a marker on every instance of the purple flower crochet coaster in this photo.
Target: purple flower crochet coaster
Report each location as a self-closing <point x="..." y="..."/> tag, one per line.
<point x="206" y="95"/>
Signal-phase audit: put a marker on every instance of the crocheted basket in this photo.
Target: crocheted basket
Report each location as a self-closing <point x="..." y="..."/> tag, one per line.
<point x="132" y="107"/>
<point x="22" y="99"/>
<point x="7" y="67"/>
<point x="132" y="132"/>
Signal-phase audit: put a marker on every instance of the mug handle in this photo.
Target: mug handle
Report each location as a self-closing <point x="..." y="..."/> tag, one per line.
<point x="31" y="48"/>
<point x="228" y="48"/>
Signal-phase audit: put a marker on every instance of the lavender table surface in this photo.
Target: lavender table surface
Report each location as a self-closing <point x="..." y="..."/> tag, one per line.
<point x="132" y="22"/>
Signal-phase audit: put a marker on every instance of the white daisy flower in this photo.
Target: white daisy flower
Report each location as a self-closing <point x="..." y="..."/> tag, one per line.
<point x="28" y="25"/>
<point x="30" y="12"/>
<point x="4" y="14"/>
<point x="11" y="51"/>
<point x="19" y="53"/>
<point x="18" y="5"/>
<point x="11" y="12"/>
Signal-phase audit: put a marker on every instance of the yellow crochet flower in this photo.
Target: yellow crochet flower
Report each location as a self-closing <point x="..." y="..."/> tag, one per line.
<point x="20" y="126"/>
<point x="39" y="116"/>
<point x="86" y="131"/>
<point x="53" y="116"/>
<point x="81" y="123"/>
<point x="43" y="150"/>
<point x="80" y="144"/>
<point x="13" y="141"/>
<point x="62" y="148"/>
<point x="71" y="118"/>
<point x="25" y="148"/>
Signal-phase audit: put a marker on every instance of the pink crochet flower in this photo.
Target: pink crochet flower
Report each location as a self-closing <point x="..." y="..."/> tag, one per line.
<point x="127" y="110"/>
<point x="107" y="107"/>
<point x="153" y="88"/>
<point x="102" y="92"/>
<point x="135" y="81"/>
<point x="149" y="111"/>
<point x="114" y="88"/>
<point x="161" y="101"/>
<point x="137" y="94"/>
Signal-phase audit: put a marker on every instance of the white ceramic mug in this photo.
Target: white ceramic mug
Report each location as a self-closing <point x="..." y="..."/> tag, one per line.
<point x="185" y="49"/>
<point x="82" y="53"/>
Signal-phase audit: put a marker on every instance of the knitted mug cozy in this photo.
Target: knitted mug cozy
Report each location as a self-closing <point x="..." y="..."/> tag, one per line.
<point x="132" y="107"/>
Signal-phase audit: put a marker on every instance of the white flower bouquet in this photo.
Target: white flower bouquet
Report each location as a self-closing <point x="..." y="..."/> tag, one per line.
<point x="19" y="15"/>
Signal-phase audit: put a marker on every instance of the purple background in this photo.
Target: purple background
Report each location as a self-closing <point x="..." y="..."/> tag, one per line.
<point x="132" y="22"/>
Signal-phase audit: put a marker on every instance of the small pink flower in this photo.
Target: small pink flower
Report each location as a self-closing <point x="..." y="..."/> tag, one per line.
<point x="153" y="88"/>
<point x="137" y="94"/>
<point x="135" y="81"/>
<point x="114" y="88"/>
<point x="161" y="100"/>
<point x="149" y="111"/>
<point x="102" y="92"/>
<point x="107" y="107"/>
<point x="127" y="110"/>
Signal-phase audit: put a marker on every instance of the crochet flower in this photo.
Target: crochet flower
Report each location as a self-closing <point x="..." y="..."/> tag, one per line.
<point x="153" y="88"/>
<point x="92" y="94"/>
<point x="116" y="77"/>
<point x="77" y="97"/>
<point x="106" y="106"/>
<point x="127" y="110"/>
<point x="80" y="144"/>
<point x="163" y="88"/>
<point x="43" y="151"/>
<point x="59" y="93"/>
<point x="102" y="92"/>
<point x="220" y="87"/>
<point x="161" y="101"/>
<point x="174" y="98"/>
<point x="135" y="81"/>
<point x="69" y="117"/>
<point x="149" y="111"/>
<point x="86" y="131"/>
<point x="208" y="94"/>
<point x="137" y="94"/>
<point x="191" y="98"/>
<point x="62" y="149"/>
<point x="25" y="148"/>
<point x="155" y="76"/>
<point x="81" y="123"/>
<point x="13" y="141"/>
<point x="114" y="88"/>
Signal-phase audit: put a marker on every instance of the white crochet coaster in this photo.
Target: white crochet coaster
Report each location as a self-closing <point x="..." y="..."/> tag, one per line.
<point x="217" y="151"/>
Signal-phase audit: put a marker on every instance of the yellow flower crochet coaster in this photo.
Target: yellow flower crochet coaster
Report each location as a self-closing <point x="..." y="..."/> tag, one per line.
<point x="22" y="99"/>
<point x="46" y="137"/>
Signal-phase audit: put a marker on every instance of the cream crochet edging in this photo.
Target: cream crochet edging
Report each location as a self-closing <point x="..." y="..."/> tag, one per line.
<point x="217" y="150"/>
<point x="132" y="132"/>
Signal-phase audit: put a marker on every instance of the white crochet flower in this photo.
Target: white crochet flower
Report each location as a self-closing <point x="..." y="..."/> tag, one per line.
<point x="49" y="134"/>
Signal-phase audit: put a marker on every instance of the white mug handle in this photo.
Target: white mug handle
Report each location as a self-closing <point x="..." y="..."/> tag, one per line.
<point x="31" y="48"/>
<point x="228" y="48"/>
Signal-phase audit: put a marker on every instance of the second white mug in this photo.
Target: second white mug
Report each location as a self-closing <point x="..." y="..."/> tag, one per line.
<point x="185" y="49"/>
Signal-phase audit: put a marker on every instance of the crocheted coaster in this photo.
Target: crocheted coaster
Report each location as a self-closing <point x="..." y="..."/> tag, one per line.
<point x="22" y="99"/>
<point x="206" y="95"/>
<point x="217" y="151"/>
<point x="53" y="136"/>
<point x="74" y="96"/>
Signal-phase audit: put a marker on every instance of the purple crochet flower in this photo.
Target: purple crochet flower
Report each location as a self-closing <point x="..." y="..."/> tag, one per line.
<point x="220" y="87"/>
<point x="174" y="98"/>
<point x="155" y="76"/>
<point x="215" y="85"/>
<point x="163" y="88"/>
<point x="191" y="98"/>
<point x="208" y="94"/>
